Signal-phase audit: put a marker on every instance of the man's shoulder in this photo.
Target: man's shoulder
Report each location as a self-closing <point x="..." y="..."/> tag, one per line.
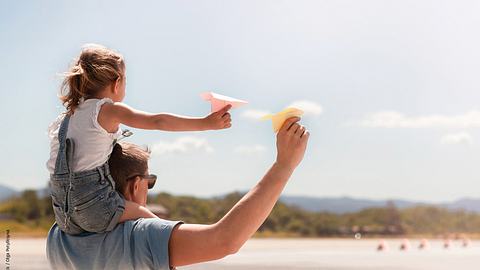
<point x="145" y="239"/>
<point x="151" y="225"/>
<point x="152" y="237"/>
<point x="130" y="226"/>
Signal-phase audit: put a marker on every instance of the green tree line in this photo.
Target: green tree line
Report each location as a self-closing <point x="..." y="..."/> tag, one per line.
<point x="34" y="212"/>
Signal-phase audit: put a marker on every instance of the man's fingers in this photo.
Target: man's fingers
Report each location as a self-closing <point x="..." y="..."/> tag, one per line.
<point x="294" y="128"/>
<point x="305" y="135"/>
<point x="288" y="123"/>
<point x="300" y="131"/>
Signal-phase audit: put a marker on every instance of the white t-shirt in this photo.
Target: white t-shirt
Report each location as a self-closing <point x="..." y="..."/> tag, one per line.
<point x="93" y="144"/>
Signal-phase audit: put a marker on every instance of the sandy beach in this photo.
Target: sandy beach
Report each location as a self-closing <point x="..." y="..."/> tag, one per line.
<point x="327" y="254"/>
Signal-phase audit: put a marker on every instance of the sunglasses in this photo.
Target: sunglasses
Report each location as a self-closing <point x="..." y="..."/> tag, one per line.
<point x="151" y="178"/>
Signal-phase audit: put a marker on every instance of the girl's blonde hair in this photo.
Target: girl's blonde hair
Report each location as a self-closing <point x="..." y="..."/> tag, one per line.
<point x="95" y="68"/>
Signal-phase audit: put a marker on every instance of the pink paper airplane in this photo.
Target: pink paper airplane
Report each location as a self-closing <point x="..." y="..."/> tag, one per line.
<point x="219" y="101"/>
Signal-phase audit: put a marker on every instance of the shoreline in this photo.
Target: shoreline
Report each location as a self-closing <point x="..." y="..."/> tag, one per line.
<point x="301" y="254"/>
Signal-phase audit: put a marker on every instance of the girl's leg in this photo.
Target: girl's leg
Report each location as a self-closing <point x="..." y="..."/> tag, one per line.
<point x="134" y="211"/>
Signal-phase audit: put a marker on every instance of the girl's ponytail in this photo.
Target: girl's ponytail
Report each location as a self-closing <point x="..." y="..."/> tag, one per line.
<point x="96" y="68"/>
<point x="73" y="87"/>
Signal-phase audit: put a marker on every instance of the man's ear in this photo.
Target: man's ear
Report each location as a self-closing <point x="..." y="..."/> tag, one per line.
<point x="135" y="185"/>
<point x="131" y="188"/>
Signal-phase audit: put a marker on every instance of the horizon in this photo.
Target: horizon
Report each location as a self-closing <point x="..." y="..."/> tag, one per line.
<point x="390" y="90"/>
<point x="154" y="193"/>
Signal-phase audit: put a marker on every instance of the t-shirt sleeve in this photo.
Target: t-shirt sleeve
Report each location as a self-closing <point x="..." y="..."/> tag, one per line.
<point x="96" y="112"/>
<point x="151" y="240"/>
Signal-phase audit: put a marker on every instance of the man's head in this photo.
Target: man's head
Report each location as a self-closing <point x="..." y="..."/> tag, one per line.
<point x="129" y="168"/>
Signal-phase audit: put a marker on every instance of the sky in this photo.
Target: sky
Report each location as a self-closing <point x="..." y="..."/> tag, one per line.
<point x="390" y="90"/>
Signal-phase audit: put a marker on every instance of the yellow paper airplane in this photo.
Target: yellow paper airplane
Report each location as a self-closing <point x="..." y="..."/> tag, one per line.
<point x="279" y="118"/>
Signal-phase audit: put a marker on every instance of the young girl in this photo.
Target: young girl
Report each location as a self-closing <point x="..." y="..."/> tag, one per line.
<point x="83" y="192"/>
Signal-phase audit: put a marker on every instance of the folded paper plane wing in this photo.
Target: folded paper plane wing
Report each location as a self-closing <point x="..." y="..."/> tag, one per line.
<point x="279" y="118"/>
<point x="219" y="101"/>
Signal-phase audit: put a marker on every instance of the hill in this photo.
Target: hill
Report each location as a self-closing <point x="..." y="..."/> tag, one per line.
<point x="343" y="205"/>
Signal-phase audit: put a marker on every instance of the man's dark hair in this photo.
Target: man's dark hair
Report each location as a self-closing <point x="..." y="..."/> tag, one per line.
<point x="127" y="160"/>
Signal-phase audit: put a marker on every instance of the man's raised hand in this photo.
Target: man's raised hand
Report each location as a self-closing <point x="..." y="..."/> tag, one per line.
<point x="292" y="141"/>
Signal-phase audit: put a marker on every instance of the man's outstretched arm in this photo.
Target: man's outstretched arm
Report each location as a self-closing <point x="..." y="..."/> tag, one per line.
<point x="194" y="243"/>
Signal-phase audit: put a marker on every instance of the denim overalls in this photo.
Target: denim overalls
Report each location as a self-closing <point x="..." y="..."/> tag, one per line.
<point x="86" y="200"/>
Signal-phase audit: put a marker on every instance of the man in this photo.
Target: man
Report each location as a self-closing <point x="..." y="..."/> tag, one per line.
<point x="161" y="244"/>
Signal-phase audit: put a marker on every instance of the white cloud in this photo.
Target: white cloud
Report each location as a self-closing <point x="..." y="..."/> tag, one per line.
<point x="249" y="149"/>
<point x="393" y="119"/>
<point x="182" y="145"/>
<point x="255" y="114"/>
<point x="310" y="108"/>
<point x="457" y="138"/>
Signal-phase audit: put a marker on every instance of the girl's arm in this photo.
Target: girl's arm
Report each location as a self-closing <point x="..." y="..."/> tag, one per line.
<point x="112" y="115"/>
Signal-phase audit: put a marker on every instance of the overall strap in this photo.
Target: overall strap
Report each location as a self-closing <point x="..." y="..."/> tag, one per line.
<point x="106" y="167"/>
<point x="61" y="164"/>
<point x="69" y="150"/>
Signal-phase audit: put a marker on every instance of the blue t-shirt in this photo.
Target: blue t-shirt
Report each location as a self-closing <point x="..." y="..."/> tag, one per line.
<point x="137" y="244"/>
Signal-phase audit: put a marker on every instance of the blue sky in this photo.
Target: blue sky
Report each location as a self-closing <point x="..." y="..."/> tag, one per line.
<point x="391" y="87"/>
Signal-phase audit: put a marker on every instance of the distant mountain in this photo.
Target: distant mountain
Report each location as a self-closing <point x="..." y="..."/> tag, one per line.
<point x="43" y="192"/>
<point x="6" y="192"/>
<point x="338" y="205"/>
<point x="343" y="205"/>
<point x="467" y="204"/>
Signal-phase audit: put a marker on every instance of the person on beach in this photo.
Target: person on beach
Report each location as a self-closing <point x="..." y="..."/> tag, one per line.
<point x="164" y="244"/>
<point x="82" y="138"/>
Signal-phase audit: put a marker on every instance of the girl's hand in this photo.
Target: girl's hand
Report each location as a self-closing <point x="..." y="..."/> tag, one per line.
<point x="218" y="120"/>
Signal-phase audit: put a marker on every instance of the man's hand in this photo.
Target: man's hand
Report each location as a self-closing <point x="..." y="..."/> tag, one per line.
<point x="218" y="120"/>
<point x="292" y="141"/>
